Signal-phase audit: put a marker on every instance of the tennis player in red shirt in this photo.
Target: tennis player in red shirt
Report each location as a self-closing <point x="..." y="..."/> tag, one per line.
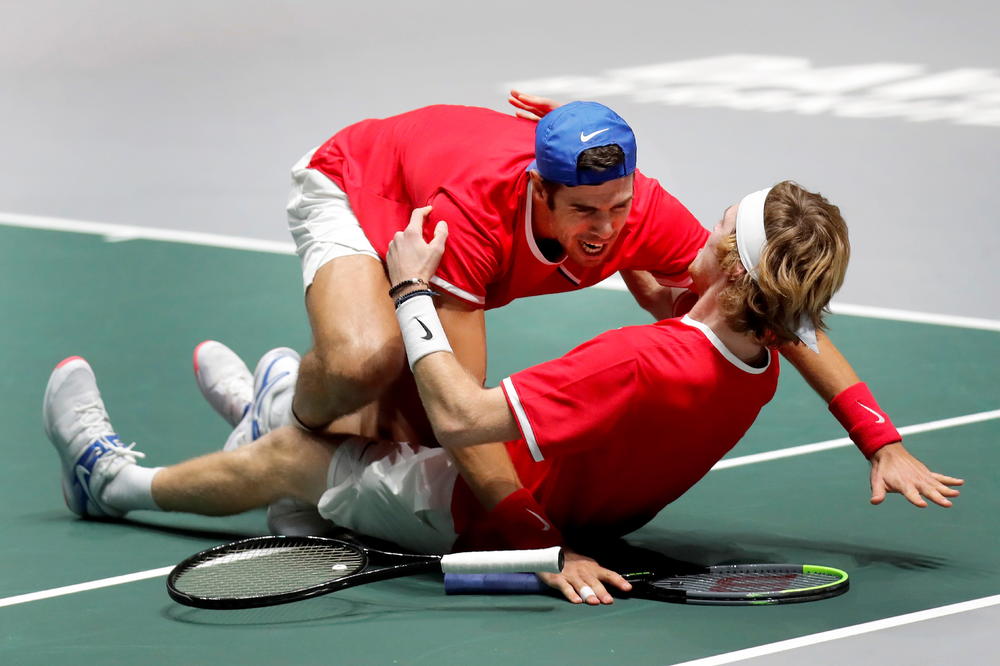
<point x="527" y="218"/>
<point x="624" y="424"/>
<point x="532" y="208"/>
<point x="602" y="438"/>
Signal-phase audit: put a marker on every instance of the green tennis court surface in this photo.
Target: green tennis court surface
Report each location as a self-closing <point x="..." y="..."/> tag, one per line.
<point x="136" y="309"/>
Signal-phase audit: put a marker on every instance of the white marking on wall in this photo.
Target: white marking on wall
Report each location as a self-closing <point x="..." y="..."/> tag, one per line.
<point x="780" y="84"/>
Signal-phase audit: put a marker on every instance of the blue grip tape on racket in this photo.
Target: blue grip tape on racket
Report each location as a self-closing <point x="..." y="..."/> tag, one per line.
<point x="494" y="583"/>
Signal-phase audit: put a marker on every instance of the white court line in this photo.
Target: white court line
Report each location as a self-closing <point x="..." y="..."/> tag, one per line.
<point x="615" y="283"/>
<point x="116" y="233"/>
<point x="916" y="317"/>
<point x="846" y="441"/>
<point x="83" y="587"/>
<point x="845" y="632"/>
<point x="732" y="462"/>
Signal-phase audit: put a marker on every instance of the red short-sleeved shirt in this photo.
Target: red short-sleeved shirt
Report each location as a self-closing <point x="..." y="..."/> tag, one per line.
<point x="470" y="165"/>
<point x="626" y="423"/>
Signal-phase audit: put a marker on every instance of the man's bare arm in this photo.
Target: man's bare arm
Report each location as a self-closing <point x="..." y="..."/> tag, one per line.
<point x="894" y="469"/>
<point x="464" y="413"/>
<point x="659" y="301"/>
<point x="828" y="372"/>
<point x="485" y="465"/>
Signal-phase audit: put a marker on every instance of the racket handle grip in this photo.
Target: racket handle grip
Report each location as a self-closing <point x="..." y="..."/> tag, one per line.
<point x="504" y="561"/>
<point x="496" y="583"/>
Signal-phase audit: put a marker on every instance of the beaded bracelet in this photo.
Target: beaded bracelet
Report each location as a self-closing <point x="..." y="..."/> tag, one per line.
<point x="399" y="286"/>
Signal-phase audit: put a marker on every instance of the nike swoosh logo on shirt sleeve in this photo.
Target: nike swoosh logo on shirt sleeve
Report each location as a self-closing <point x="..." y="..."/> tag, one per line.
<point x="878" y="417"/>
<point x="584" y="138"/>
<point x="545" y="524"/>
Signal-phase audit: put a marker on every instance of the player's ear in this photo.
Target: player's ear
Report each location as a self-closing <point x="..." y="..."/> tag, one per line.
<point x="736" y="271"/>
<point x="536" y="181"/>
<point x="542" y="191"/>
<point x="538" y="191"/>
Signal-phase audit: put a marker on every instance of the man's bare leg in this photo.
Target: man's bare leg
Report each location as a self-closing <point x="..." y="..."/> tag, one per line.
<point x="357" y="352"/>
<point x="284" y="463"/>
<point x="357" y="349"/>
<point x="101" y="476"/>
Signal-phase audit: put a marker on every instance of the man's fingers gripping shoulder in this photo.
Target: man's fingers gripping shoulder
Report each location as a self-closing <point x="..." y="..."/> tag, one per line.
<point x="417" y="219"/>
<point x="440" y="235"/>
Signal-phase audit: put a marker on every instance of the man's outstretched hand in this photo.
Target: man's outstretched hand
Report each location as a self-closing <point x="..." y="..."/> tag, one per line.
<point x="895" y="470"/>
<point x="583" y="580"/>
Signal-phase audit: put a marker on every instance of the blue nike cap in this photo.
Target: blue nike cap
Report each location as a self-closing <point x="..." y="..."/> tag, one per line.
<point x="564" y="133"/>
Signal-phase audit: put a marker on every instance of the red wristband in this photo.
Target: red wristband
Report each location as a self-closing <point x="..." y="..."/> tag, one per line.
<point x="518" y="521"/>
<point x="866" y="423"/>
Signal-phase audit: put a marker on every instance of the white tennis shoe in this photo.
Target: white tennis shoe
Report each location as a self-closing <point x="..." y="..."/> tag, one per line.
<point x="273" y="387"/>
<point x="240" y="434"/>
<point x="273" y="384"/>
<point x="77" y="424"/>
<point x="224" y="379"/>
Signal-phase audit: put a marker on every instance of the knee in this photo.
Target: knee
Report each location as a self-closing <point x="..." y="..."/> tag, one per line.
<point x="277" y="457"/>
<point x="290" y="463"/>
<point x="365" y="364"/>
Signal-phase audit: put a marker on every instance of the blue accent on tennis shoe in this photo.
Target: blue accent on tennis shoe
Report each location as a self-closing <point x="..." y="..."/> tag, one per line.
<point x="267" y="383"/>
<point x="275" y="374"/>
<point x="84" y="467"/>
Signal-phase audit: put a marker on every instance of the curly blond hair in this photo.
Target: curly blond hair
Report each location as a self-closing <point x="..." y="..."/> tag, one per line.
<point x="801" y="267"/>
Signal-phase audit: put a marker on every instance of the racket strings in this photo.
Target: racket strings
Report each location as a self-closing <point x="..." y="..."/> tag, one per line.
<point x="746" y="582"/>
<point x="266" y="571"/>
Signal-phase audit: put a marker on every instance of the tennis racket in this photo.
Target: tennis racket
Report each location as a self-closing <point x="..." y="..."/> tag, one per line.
<point x="271" y="570"/>
<point x="727" y="584"/>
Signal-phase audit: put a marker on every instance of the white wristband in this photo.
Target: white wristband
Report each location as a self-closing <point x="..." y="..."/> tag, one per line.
<point x="422" y="332"/>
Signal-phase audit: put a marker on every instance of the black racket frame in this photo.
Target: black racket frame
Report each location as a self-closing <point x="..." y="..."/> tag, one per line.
<point x="393" y="565"/>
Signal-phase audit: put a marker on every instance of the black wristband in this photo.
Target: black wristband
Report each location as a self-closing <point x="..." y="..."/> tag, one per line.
<point x="405" y="297"/>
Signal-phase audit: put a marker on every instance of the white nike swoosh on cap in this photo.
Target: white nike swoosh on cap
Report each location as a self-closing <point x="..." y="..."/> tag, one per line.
<point x="878" y="417"/>
<point x="584" y="138"/>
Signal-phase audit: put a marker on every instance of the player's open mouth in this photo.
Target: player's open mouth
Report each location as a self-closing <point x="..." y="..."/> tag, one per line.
<point x="592" y="249"/>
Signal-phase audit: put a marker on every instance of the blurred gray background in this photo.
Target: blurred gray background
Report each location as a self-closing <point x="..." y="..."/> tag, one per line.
<point x="188" y="114"/>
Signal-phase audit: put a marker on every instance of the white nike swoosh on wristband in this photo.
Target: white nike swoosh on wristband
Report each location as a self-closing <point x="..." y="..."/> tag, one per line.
<point x="545" y="524"/>
<point x="584" y="138"/>
<point x="878" y="417"/>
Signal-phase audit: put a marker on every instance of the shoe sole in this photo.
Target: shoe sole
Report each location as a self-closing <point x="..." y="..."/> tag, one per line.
<point x="55" y="382"/>
<point x="194" y="357"/>
<point x="264" y="382"/>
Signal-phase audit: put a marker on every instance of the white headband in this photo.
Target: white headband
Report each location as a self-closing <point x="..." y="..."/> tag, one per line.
<point x="751" y="240"/>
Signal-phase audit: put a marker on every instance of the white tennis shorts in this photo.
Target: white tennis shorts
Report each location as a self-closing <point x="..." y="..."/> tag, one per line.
<point x="321" y="221"/>
<point x="394" y="491"/>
